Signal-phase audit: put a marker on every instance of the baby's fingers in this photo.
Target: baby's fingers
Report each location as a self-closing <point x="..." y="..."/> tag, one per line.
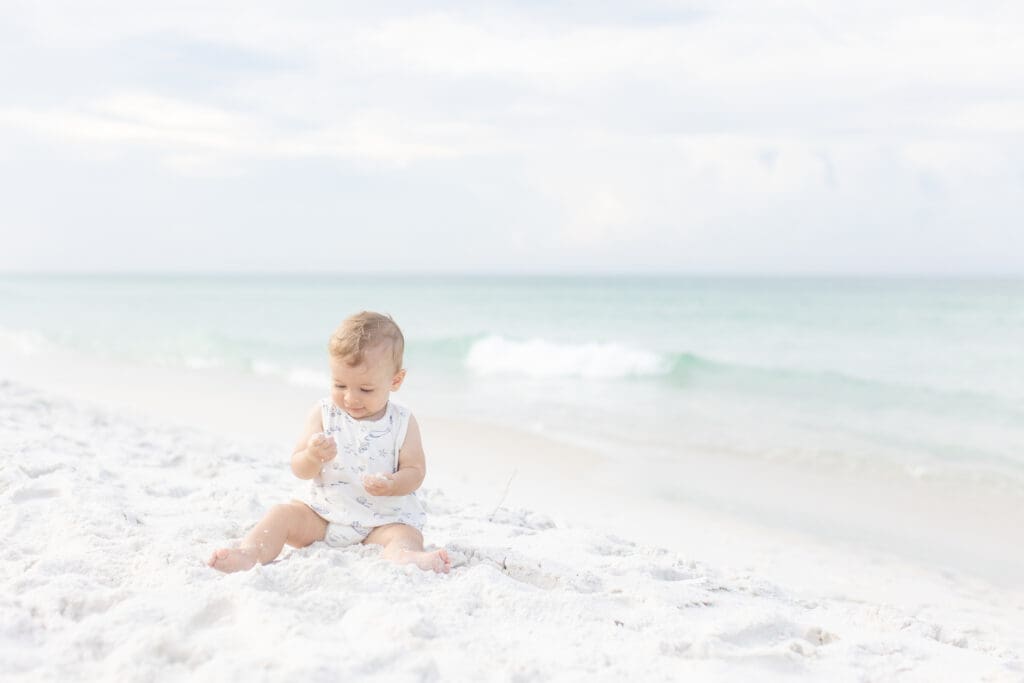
<point x="376" y="483"/>
<point x="323" y="442"/>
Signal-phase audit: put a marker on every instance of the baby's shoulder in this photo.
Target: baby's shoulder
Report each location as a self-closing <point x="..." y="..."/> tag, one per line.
<point x="315" y="413"/>
<point x="400" y="419"/>
<point x="399" y="409"/>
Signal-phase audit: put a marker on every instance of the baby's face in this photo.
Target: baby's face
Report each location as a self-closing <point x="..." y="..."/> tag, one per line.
<point x="362" y="390"/>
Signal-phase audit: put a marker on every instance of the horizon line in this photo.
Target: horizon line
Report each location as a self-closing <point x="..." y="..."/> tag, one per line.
<point x="696" y="274"/>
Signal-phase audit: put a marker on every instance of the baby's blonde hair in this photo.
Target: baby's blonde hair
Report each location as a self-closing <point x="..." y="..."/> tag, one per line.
<point x="364" y="331"/>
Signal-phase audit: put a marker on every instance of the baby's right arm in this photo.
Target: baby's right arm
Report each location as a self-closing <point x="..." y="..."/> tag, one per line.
<point x="313" y="448"/>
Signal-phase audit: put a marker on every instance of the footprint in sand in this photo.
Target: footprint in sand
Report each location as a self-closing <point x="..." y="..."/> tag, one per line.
<point x="79" y="607"/>
<point x="781" y="636"/>
<point x="613" y="546"/>
<point x="669" y="574"/>
<point x="36" y="472"/>
<point x="165" y="491"/>
<point x="25" y="494"/>
<point x="212" y="612"/>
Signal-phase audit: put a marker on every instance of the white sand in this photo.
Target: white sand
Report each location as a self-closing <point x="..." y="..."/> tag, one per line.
<point x="107" y="518"/>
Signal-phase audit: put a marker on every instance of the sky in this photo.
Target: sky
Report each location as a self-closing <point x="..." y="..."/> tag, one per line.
<point x="748" y="137"/>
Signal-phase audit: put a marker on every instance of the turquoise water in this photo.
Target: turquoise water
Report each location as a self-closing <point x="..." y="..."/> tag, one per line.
<point x="926" y="375"/>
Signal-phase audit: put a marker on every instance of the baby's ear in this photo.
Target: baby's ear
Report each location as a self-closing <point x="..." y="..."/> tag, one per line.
<point x="397" y="380"/>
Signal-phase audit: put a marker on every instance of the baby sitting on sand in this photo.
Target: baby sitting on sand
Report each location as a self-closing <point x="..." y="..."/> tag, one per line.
<point x="364" y="456"/>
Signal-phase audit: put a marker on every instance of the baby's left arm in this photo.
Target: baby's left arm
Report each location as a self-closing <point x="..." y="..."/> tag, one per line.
<point x="412" y="467"/>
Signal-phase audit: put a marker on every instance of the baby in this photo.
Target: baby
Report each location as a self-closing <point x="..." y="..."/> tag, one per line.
<point x="364" y="456"/>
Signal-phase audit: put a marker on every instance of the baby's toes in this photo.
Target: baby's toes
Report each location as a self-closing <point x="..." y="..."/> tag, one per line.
<point x="218" y="555"/>
<point x="442" y="564"/>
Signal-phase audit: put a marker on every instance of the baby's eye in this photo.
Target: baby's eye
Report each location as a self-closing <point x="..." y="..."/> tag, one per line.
<point x="339" y="386"/>
<point x="367" y="391"/>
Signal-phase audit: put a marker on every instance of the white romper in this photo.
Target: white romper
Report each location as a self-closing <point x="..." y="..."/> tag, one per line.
<point x="364" y="447"/>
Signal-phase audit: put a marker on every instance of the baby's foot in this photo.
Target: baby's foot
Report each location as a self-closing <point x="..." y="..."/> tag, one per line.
<point x="230" y="560"/>
<point x="431" y="560"/>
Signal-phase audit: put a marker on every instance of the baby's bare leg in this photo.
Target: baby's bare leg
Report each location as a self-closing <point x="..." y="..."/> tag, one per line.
<point x="404" y="544"/>
<point x="292" y="523"/>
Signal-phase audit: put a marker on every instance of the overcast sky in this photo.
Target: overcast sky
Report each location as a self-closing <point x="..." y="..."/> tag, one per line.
<point x="728" y="137"/>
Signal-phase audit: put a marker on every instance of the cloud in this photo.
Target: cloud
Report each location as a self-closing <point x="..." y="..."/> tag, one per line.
<point x="180" y="130"/>
<point x="597" y="132"/>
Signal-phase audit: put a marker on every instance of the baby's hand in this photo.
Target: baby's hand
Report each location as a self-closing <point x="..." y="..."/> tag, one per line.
<point x="322" y="447"/>
<point x="379" y="484"/>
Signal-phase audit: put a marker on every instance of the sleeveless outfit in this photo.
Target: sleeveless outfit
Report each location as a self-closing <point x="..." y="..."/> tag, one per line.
<point x="364" y="447"/>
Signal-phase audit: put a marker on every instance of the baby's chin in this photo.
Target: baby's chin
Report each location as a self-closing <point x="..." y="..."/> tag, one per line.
<point x="363" y="414"/>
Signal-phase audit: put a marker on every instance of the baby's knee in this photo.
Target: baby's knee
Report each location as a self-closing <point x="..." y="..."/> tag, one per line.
<point x="282" y="512"/>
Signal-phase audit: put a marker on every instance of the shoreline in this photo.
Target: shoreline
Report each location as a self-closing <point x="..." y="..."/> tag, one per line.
<point x="942" y="529"/>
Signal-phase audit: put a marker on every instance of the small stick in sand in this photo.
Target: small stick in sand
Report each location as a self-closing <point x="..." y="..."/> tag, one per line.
<point x="490" y="518"/>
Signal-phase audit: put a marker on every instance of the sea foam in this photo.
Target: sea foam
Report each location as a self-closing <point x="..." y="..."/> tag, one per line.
<point x="538" y="358"/>
<point x="25" y="342"/>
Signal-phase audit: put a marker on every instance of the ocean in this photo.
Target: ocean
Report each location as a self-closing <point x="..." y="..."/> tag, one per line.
<point x="923" y="376"/>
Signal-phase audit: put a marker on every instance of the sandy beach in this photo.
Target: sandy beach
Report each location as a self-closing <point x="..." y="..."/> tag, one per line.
<point x="708" y="314"/>
<point x="112" y="499"/>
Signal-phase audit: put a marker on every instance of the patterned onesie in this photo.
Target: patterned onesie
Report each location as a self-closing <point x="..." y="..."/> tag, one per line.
<point x="364" y="447"/>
